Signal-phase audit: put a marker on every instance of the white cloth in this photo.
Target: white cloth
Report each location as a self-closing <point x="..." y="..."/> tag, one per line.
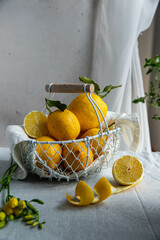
<point x="130" y="215"/>
<point x="116" y="57"/>
<point x="23" y="154"/>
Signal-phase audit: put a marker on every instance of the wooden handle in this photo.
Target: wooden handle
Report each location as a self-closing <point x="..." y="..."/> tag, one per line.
<point x="69" y="88"/>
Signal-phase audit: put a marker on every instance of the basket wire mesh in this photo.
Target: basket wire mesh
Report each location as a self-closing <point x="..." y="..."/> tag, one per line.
<point x="73" y="159"/>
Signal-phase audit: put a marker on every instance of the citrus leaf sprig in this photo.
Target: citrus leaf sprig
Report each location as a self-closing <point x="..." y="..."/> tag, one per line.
<point x="57" y="104"/>
<point x="21" y="208"/>
<point x="6" y="178"/>
<point x="153" y="96"/>
<point x="97" y="90"/>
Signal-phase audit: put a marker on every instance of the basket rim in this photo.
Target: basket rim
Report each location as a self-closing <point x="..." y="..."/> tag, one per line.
<point x="87" y="138"/>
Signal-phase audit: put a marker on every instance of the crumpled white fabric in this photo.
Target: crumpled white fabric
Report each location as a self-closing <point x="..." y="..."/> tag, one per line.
<point x="130" y="130"/>
<point x="118" y="25"/>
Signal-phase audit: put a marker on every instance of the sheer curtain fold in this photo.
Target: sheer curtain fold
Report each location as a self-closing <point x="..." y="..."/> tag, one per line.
<point x="116" y="56"/>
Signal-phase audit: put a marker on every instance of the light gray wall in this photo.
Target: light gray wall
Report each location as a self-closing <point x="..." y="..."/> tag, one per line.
<point x="41" y="41"/>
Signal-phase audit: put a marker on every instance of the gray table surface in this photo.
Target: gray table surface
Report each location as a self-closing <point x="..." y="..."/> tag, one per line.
<point x="133" y="214"/>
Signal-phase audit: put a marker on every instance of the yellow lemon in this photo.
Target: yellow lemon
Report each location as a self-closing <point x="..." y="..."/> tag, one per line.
<point x="63" y="125"/>
<point x="97" y="143"/>
<point x="13" y="202"/>
<point x="49" y="153"/>
<point x="85" y="112"/>
<point x="127" y="170"/>
<point x="2" y="216"/>
<point x="75" y="156"/>
<point x="8" y="210"/>
<point x="35" y="124"/>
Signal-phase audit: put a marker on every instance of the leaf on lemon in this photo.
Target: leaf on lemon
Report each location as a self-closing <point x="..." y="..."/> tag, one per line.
<point x="97" y="90"/>
<point x="90" y="81"/>
<point x="107" y="90"/>
<point x="57" y="104"/>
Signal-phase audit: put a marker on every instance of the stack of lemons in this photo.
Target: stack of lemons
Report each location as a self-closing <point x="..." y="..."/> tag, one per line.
<point x="77" y="121"/>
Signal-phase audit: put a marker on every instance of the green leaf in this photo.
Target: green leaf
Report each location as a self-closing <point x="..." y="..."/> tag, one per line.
<point x="107" y="90"/>
<point x="90" y="81"/>
<point x="37" y="201"/>
<point x="149" y="70"/>
<point x="57" y="104"/>
<point x="141" y="99"/>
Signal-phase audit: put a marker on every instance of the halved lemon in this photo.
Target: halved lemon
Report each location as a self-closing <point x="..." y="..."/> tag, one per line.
<point x="127" y="170"/>
<point x="35" y="124"/>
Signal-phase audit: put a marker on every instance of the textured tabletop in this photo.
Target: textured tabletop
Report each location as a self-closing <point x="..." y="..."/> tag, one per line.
<point x="133" y="214"/>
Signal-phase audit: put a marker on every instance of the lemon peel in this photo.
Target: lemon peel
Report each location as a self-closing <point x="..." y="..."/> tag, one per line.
<point x="83" y="195"/>
<point x="102" y="189"/>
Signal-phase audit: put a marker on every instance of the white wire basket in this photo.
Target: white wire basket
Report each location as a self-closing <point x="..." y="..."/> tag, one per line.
<point x="77" y="158"/>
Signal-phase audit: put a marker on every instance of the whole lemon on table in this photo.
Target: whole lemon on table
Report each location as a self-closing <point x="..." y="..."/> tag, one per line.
<point x="75" y="156"/>
<point x="85" y="112"/>
<point x="49" y="153"/>
<point x="63" y="125"/>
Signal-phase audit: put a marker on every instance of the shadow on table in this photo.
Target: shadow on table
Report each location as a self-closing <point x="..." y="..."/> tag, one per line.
<point x="66" y="206"/>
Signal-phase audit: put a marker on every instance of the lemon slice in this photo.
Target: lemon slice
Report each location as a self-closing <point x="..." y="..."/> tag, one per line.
<point x="35" y="124"/>
<point x="127" y="170"/>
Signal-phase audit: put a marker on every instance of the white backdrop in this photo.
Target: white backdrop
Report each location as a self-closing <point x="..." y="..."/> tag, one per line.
<point x="44" y="41"/>
<point x="116" y="56"/>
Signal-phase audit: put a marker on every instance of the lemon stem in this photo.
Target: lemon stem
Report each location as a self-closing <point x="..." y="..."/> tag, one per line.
<point x="111" y="124"/>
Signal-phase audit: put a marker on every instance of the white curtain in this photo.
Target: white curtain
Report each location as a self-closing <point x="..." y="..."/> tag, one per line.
<point x="116" y="57"/>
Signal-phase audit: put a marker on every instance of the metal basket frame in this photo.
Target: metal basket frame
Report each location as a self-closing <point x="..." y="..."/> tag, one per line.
<point x="31" y="155"/>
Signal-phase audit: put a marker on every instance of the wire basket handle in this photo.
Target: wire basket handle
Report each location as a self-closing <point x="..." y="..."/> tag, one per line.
<point x="69" y="88"/>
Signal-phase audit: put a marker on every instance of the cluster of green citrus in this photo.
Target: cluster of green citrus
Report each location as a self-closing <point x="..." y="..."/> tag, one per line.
<point x="15" y="208"/>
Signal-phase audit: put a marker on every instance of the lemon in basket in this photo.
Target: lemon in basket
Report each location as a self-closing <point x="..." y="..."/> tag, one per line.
<point x="85" y="112"/>
<point x="127" y="170"/>
<point x="49" y="153"/>
<point x="63" y="125"/>
<point x="75" y="156"/>
<point x="97" y="143"/>
<point x="35" y="124"/>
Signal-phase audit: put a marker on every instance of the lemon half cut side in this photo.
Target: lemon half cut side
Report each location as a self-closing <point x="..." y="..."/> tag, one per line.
<point x="127" y="170"/>
<point x="35" y="124"/>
